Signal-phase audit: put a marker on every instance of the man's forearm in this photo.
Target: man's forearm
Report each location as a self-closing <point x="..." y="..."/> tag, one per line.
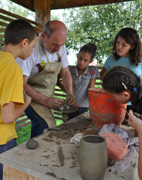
<point x="67" y="83"/>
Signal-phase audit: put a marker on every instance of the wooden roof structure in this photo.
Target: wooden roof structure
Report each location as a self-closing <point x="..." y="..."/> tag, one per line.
<point x="42" y="7"/>
<point x="61" y="4"/>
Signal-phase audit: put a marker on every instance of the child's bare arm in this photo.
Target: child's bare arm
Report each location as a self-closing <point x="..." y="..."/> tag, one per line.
<point x="102" y="73"/>
<point x="92" y="83"/>
<point x="10" y="113"/>
<point x="136" y="123"/>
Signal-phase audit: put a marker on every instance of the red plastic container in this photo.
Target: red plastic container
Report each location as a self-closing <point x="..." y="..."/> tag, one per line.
<point x="104" y="109"/>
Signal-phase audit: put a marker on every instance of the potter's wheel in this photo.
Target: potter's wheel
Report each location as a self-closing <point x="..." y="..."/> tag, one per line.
<point x="67" y="109"/>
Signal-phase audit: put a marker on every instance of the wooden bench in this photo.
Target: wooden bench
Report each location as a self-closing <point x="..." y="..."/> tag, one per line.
<point x="22" y="122"/>
<point x="5" y="18"/>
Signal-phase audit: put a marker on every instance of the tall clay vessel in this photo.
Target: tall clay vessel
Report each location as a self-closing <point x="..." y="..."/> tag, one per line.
<point x="92" y="157"/>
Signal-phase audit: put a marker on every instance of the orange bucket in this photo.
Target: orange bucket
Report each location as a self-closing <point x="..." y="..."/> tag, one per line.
<point x="104" y="109"/>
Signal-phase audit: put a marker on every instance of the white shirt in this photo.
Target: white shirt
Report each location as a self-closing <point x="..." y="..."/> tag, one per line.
<point x="34" y="63"/>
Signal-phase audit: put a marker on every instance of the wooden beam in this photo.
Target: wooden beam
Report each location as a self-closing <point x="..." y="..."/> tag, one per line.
<point x="42" y="11"/>
<point x="46" y="11"/>
<point x="29" y="4"/>
<point x="61" y="4"/>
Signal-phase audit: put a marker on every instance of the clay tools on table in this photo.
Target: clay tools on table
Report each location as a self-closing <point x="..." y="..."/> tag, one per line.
<point x="61" y="156"/>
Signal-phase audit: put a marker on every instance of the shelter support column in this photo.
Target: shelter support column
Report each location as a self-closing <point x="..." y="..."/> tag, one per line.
<point x="42" y="11"/>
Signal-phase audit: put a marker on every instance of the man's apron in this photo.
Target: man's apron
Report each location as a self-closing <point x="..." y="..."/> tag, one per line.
<point x="44" y="83"/>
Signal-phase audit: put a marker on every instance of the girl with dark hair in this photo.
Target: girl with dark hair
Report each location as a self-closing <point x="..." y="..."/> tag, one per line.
<point x="124" y="85"/>
<point x="126" y="52"/>
<point x="84" y="77"/>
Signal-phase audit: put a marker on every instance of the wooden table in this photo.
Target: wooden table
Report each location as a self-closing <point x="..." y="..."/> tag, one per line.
<point x="43" y="163"/>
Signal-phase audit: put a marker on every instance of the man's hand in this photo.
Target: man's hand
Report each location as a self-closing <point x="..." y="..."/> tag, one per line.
<point x="55" y="103"/>
<point x="70" y="100"/>
<point x="135" y="122"/>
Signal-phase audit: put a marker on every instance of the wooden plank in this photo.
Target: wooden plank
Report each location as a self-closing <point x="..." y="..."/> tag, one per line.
<point x="29" y="4"/>
<point x="58" y="113"/>
<point x="59" y="90"/>
<point x="61" y="4"/>
<point x="19" y="17"/>
<point x="58" y="118"/>
<point x="37" y="26"/>
<point x="62" y="95"/>
<point x="21" y="120"/>
<point x="1" y="36"/>
<point x="6" y="18"/>
<point x="98" y="83"/>
<point x="2" y="29"/>
<point x="22" y="125"/>
<point x="1" y="42"/>
<point x="3" y="24"/>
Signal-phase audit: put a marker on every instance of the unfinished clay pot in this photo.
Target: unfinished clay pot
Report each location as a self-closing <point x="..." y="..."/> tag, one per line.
<point x="92" y="157"/>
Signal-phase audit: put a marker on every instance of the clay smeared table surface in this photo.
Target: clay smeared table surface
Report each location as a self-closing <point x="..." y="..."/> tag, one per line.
<point x="44" y="162"/>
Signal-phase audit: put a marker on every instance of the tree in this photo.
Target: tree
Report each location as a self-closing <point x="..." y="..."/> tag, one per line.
<point x="99" y="24"/>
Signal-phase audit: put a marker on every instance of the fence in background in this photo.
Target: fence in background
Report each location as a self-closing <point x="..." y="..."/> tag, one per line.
<point x="6" y="17"/>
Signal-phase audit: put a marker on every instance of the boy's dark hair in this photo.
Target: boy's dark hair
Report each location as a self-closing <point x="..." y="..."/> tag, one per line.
<point x="18" y="30"/>
<point x="119" y="79"/>
<point x="131" y="37"/>
<point x="89" y="48"/>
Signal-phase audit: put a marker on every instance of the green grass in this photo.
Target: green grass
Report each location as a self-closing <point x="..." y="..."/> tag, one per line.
<point x="25" y="132"/>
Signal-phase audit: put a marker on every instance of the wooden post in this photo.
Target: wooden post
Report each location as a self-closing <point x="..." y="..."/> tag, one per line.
<point x="42" y="11"/>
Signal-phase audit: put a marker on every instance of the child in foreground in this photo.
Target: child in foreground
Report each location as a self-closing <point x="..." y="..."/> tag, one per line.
<point x="124" y="85"/>
<point x="84" y="77"/>
<point x="20" y="38"/>
<point x="136" y="123"/>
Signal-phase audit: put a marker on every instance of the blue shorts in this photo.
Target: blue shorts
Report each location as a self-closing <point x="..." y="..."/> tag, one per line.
<point x="38" y="124"/>
<point x="10" y="144"/>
